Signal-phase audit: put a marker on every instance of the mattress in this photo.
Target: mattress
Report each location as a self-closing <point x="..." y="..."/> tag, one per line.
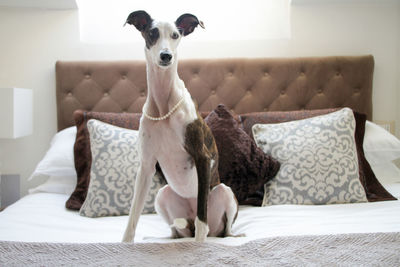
<point x="42" y="217"/>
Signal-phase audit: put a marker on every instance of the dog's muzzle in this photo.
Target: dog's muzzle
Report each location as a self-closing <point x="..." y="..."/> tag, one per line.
<point x="165" y="58"/>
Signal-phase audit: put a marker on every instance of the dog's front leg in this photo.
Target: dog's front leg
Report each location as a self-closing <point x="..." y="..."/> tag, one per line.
<point x="194" y="145"/>
<point x="142" y="186"/>
<point x="203" y="172"/>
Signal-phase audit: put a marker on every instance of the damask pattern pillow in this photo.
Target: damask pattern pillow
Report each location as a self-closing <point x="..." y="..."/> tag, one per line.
<point x="82" y="153"/>
<point x="318" y="160"/>
<point x="373" y="188"/>
<point x="115" y="163"/>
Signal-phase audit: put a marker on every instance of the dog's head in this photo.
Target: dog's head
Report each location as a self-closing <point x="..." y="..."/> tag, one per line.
<point x="162" y="38"/>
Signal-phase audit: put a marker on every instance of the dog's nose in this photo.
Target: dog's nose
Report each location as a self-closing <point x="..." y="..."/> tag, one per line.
<point x="165" y="57"/>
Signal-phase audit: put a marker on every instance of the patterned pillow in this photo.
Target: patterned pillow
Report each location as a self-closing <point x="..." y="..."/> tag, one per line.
<point x="115" y="163"/>
<point x="318" y="160"/>
<point x="373" y="188"/>
<point x="82" y="153"/>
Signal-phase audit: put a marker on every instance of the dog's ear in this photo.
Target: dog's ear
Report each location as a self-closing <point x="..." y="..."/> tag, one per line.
<point x="140" y="19"/>
<point x="186" y="23"/>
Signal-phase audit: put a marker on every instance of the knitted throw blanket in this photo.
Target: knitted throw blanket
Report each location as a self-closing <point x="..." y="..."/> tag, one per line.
<point x="376" y="249"/>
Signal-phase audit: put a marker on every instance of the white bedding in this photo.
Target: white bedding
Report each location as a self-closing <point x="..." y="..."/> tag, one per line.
<point x="41" y="217"/>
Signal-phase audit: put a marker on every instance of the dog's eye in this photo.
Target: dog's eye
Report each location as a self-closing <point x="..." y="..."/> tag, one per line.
<point x="153" y="32"/>
<point x="175" y="35"/>
<point x="153" y="35"/>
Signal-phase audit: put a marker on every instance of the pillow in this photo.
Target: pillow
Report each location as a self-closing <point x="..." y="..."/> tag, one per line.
<point x="394" y="189"/>
<point x="380" y="146"/>
<point x="387" y="173"/>
<point x="115" y="163"/>
<point x="373" y="188"/>
<point x="248" y="120"/>
<point x="59" y="159"/>
<point x="56" y="184"/>
<point x="82" y="154"/>
<point x="242" y="166"/>
<point x="318" y="160"/>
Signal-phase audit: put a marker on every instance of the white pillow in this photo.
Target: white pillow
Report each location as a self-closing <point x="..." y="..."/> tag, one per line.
<point x="59" y="159"/>
<point x="318" y="159"/>
<point x="380" y="146"/>
<point x="56" y="184"/>
<point x="393" y="189"/>
<point x="386" y="173"/>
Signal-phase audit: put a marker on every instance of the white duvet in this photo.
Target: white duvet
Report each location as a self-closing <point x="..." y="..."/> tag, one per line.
<point x="42" y="217"/>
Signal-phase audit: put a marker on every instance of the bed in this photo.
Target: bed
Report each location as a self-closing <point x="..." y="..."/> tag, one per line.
<point x="56" y="224"/>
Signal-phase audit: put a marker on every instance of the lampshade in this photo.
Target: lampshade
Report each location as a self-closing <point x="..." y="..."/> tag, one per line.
<point x="15" y="112"/>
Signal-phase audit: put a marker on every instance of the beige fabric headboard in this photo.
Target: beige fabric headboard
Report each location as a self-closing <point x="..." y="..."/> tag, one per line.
<point x="243" y="85"/>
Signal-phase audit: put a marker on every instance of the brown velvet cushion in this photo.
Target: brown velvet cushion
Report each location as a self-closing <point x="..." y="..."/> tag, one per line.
<point x="242" y="165"/>
<point x="373" y="188"/>
<point x="82" y="153"/>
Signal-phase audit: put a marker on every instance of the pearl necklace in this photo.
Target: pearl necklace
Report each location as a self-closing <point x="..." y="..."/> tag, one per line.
<point x="166" y="115"/>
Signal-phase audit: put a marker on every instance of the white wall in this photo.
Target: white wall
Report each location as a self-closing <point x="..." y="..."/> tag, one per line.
<point x="398" y="72"/>
<point x="33" y="39"/>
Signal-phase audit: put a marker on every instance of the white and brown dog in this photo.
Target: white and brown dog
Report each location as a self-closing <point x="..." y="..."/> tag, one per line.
<point x="172" y="133"/>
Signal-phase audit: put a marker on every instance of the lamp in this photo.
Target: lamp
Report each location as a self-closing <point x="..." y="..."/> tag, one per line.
<point x="15" y="112"/>
<point x="15" y="121"/>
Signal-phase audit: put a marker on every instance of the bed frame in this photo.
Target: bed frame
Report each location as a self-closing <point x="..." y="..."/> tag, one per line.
<point x="243" y="85"/>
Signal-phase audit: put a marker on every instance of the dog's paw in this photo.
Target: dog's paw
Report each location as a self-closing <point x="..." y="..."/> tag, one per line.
<point x="201" y="230"/>
<point x="128" y="237"/>
<point x="199" y="238"/>
<point x="180" y="223"/>
<point x="236" y="235"/>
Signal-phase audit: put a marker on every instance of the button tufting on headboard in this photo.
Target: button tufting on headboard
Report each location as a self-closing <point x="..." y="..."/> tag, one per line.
<point x="243" y="85"/>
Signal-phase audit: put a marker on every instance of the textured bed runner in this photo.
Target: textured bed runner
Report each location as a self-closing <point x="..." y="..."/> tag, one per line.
<point x="378" y="249"/>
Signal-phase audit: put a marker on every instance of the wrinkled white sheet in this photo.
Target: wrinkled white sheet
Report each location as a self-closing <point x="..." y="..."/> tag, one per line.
<point x="42" y="217"/>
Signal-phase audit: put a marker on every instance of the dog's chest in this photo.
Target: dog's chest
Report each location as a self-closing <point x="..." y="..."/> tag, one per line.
<point x="177" y="165"/>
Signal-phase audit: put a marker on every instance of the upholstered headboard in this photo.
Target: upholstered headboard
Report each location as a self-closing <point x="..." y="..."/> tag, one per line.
<point x="243" y="85"/>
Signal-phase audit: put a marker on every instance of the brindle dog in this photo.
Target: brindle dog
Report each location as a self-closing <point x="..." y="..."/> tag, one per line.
<point x="171" y="132"/>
